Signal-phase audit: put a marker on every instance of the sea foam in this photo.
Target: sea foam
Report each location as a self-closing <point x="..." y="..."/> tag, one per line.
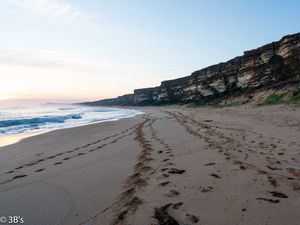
<point x="16" y="120"/>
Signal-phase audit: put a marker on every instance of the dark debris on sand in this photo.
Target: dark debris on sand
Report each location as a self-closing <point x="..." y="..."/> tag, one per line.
<point x="163" y="217"/>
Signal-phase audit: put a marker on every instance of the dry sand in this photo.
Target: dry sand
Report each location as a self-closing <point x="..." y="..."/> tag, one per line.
<point x="172" y="165"/>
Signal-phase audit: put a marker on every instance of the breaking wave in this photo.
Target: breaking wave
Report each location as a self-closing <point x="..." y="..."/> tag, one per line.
<point x="39" y="121"/>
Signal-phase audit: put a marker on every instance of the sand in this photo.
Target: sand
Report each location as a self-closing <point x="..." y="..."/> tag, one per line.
<point x="172" y="165"/>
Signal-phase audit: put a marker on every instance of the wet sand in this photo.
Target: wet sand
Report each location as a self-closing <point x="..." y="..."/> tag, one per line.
<point x="14" y="138"/>
<point x="172" y="165"/>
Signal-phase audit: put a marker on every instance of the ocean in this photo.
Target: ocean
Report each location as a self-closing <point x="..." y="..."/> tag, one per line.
<point x="44" y="117"/>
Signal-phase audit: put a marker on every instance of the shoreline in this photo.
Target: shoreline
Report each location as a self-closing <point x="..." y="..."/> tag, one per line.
<point x="15" y="138"/>
<point x="190" y="165"/>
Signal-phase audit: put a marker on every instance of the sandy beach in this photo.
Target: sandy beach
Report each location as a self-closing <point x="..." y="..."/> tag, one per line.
<point x="171" y="165"/>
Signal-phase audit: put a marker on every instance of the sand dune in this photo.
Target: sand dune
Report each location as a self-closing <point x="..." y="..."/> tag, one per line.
<point x="172" y="165"/>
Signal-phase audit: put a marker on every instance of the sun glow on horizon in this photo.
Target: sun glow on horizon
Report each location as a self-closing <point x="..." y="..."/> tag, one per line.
<point x="6" y="97"/>
<point x="32" y="74"/>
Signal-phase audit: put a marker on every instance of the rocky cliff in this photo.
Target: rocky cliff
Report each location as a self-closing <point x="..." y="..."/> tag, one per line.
<point x="271" y="67"/>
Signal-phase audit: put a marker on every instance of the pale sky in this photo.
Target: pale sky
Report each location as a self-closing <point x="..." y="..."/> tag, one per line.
<point x="88" y="50"/>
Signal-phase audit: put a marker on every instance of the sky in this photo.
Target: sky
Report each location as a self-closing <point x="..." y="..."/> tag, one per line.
<point x="78" y="50"/>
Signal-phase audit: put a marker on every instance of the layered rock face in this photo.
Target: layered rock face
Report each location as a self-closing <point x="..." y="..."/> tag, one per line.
<point x="272" y="65"/>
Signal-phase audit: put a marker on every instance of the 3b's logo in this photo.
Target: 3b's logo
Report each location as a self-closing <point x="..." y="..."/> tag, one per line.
<point x="11" y="220"/>
<point x="15" y="220"/>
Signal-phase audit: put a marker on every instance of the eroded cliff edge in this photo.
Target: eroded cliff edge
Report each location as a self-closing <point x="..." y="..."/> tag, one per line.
<point x="272" y="67"/>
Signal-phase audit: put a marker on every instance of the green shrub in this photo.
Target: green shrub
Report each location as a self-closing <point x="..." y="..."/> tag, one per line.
<point x="274" y="99"/>
<point x="296" y="97"/>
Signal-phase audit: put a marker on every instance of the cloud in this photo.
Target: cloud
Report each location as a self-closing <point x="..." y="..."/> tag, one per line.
<point x="51" y="60"/>
<point x="23" y="57"/>
<point x="55" y="9"/>
<point x="62" y="10"/>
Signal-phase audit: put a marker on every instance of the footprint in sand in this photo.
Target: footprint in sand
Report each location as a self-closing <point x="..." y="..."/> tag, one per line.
<point x="81" y="153"/>
<point x="19" y="176"/>
<point x="215" y="175"/>
<point x="162" y="176"/>
<point x="210" y="164"/>
<point x="272" y="181"/>
<point x="242" y="167"/>
<point x="39" y="170"/>
<point x="129" y="191"/>
<point x="273" y="168"/>
<point x="31" y="164"/>
<point x="177" y="205"/>
<point x="209" y="189"/>
<point x="192" y="218"/>
<point x="146" y="169"/>
<point x="172" y="193"/>
<point x="175" y="171"/>
<point x="269" y="200"/>
<point x="278" y="194"/>
<point x="163" y="184"/>
<point x="57" y="163"/>
<point x="140" y="182"/>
